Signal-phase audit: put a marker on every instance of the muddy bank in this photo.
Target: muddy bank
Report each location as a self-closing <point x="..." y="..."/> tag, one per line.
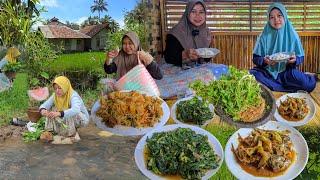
<point x="10" y="131"/>
<point x="94" y="157"/>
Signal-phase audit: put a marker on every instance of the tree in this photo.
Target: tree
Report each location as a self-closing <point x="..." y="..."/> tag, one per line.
<point x="136" y="20"/>
<point x="29" y="5"/>
<point x="113" y="26"/>
<point x="72" y="25"/>
<point x="90" y="21"/>
<point x="138" y="14"/>
<point x="100" y="6"/>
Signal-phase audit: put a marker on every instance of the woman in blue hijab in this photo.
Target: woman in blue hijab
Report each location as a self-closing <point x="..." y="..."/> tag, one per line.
<point x="280" y="36"/>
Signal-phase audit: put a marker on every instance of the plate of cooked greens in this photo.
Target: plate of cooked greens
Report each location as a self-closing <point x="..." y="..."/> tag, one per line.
<point x="180" y="151"/>
<point x="192" y="110"/>
<point x="238" y="98"/>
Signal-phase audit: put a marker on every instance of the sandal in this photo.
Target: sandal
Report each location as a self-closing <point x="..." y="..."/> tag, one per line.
<point x="18" y="122"/>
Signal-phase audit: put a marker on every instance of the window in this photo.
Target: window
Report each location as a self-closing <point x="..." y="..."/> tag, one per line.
<point x="98" y="42"/>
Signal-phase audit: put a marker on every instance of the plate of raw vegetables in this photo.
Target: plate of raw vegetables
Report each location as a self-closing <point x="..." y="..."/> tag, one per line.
<point x="238" y="98"/>
<point x="178" y="151"/>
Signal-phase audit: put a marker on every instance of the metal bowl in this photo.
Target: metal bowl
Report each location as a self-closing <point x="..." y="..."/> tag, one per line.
<point x="268" y="112"/>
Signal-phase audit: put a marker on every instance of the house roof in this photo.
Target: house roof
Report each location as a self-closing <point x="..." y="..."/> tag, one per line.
<point x="61" y="32"/>
<point x="92" y="30"/>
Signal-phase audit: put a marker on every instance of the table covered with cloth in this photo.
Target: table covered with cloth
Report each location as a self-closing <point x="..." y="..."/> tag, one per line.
<point x="175" y="80"/>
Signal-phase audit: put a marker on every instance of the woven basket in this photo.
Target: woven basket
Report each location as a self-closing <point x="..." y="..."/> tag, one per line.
<point x="138" y="79"/>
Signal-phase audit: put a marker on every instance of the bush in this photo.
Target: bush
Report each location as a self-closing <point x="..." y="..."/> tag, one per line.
<point x="83" y="69"/>
<point x="39" y="54"/>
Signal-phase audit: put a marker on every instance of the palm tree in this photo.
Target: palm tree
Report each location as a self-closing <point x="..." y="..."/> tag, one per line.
<point x="100" y="6"/>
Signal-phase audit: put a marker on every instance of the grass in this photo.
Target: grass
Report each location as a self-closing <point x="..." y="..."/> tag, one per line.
<point x="14" y="102"/>
<point x="222" y="133"/>
<point x="88" y="61"/>
<point x="83" y="69"/>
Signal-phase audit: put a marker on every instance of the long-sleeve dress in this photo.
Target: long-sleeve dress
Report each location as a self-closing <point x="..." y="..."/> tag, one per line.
<point x="290" y="80"/>
<point x="173" y="51"/>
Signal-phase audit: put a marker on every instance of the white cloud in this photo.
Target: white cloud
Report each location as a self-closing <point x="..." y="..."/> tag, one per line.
<point x="49" y="3"/>
<point x="81" y="20"/>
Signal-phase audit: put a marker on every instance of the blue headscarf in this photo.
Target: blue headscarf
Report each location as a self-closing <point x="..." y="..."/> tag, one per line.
<point x="271" y="40"/>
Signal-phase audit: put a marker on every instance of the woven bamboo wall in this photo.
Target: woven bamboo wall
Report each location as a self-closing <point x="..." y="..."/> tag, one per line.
<point x="237" y="47"/>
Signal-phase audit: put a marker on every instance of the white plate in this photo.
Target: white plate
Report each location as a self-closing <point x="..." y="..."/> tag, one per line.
<point x="279" y="57"/>
<point x="207" y="52"/>
<point x="310" y="103"/>
<point x="139" y="151"/>
<point x="174" y="108"/>
<point x="299" y="143"/>
<point x="129" y="131"/>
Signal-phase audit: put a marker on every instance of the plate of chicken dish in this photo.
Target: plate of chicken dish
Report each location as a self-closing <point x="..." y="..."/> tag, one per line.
<point x="273" y="150"/>
<point x="295" y="109"/>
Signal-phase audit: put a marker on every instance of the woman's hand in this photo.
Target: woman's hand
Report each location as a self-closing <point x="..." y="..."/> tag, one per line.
<point x="268" y="61"/>
<point x="54" y="114"/>
<point x="292" y="59"/>
<point x="111" y="54"/>
<point x="145" y="57"/>
<point x="190" y="54"/>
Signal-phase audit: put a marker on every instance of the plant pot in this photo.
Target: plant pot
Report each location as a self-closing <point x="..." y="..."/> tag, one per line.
<point x="33" y="114"/>
<point x="10" y="74"/>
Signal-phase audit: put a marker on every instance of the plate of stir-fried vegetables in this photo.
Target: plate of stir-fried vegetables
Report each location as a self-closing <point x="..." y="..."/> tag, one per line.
<point x="273" y="150"/>
<point x="180" y="151"/>
<point x="130" y="113"/>
<point x="295" y="109"/>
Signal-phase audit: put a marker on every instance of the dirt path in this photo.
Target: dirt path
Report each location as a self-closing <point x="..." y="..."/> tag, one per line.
<point x="94" y="157"/>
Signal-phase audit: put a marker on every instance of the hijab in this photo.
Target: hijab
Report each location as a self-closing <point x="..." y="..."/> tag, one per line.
<point x="63" y="102"/>
<point x="271" y="40"/>
<point x="183" y="30"/>
<point x="12" y="55"/>
<point x="125" y="62"/>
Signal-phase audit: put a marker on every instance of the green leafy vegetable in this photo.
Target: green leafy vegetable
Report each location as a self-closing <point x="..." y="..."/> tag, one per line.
<point x="180" y="152"/>
<point x="235" y="92"/>
<point x="33" y="136"/>
<point x="193" y="110"/>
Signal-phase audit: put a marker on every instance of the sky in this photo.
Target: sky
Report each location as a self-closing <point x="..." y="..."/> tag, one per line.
<point x="77" y="11"/>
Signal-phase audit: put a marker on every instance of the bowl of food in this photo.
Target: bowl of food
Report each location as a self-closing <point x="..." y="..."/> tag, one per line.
<point x="295" y="109"/>
<point x="273" y="150"/>
<point x="280" y="57"/>
<point x="192" y="110"/>
<point x="130" y="113"/>
<point x="207" y="52"/>
<point x="180" y="152"/>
